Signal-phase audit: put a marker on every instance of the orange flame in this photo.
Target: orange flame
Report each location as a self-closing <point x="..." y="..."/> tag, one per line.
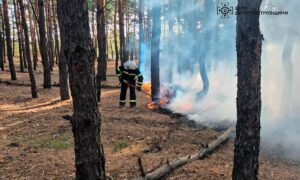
<point x="163" y="101"/>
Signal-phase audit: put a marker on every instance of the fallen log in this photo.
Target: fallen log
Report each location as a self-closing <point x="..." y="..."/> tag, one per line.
<point x="170" y="166"/>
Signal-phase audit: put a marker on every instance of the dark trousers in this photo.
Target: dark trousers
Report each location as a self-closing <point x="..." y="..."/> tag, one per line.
<point x="124" y="88"/>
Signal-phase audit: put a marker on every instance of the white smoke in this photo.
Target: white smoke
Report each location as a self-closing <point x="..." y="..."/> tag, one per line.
<point x="280" y="81"/>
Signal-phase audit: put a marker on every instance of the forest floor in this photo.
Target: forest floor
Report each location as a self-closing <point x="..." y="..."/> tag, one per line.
<point x="36" y="142"/>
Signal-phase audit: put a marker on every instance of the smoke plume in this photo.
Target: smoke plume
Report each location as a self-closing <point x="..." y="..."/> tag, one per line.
<point x="198" y="60"/>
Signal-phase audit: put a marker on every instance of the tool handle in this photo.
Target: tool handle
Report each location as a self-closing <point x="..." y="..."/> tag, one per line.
<point x="136" y="87"/>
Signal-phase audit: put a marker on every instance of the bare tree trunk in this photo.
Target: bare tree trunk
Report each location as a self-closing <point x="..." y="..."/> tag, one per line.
<point x="43" y="45"/>
<point x="36" y="7"/>
<point x="93" y="25"/>
<point x="127" y="33"/>
<point x="287" y="63"/>
<point x="22" y="42"/>
<point x="101" y="34"/>
<point x="3" y="37"/>
<point x="1" y="41"/>
<point x="33" y="38"/>
<point x="111" y="46"/>
<point x="19" y="31"/>
<point x="86" y="120"/>
<point x="50" y="45"/>
<point x="27" y="46"/>
<point x="23" y="46"/>
<point x="122" y="33"/>
<point x="248" y="44"/>
<point x="8" y="41"/>
<point x="13" y="32"/>
<point x="203" y="55"/>
<point x="56" y="38"/>
<point x="115" y="34"/>
<point x="155" y="51"/>
<point x="62" y="63"/>
<point x="148" y="25"/>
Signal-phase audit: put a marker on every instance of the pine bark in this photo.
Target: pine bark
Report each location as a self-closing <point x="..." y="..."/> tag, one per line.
<point x="55" y="28"/>
<point x="115" y="34"/>
<point x="122" y="32"/>
<point x="3" y="37"/>
<point x="62" y="62"/>
<point x="27" y="46"/>
<point x="8" y="41"/>
<point x="101" y="36"/>
<point x="1" y="41"/>
<point x="13" y="32"/>
<point x="86" y="120"/>
<point x="111" y="46"/>
<point x="248" y="44"/>
<point x="155" y="51"/>
<point x="43" y="45"/>
<point x="22" y="41"/>
<point x="50" y="45"/>
<point x="141" y="32"/>
<point x="19" y="31"/>
<point x="94" y="37"/>
<point x="33" y="38"/>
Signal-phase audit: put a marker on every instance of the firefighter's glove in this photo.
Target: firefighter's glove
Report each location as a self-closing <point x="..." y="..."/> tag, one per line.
<point x="139" y="88"/>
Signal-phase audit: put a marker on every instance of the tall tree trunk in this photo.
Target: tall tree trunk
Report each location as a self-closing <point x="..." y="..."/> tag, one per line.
<point x="115" y="34"/>
<point x="127" y="33"/>
<point x="155" y="51"/>
<point x="86" y="120"/>
<point x="122" y="33"/>
<point x="141" y="32"/>
<point x="33" y="38"/>
<point x="287" y="63"/>
<point x="27" y="46"/>
<point x="43" y="45"/>
<point x="50" y="45"/>
<point x="1" y="41"/>
<point x="3" y="37"/>
<point x="22" y="36"/>
<point x="56" y="38"/>
<point x="148" y="25"/>
<point x="23" y="46"/>
<point x="248" y="44"/>
<point x="36" y="7"/>
<point x="203" y="56"/>
<point x="94" y="37"/>
<point x="13" y="32"/>
<point x="111" y="46"/>
<point x="8" y="41"/>
<point x="19" y="31"/>
<point x="101" y="36"/>
<point x="62" y="63"/>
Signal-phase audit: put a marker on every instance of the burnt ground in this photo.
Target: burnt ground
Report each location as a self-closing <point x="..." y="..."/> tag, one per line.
<point x="36" y="143"/>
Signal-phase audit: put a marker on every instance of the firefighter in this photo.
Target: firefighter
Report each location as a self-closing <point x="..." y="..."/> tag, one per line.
<point x="128" y="74"/>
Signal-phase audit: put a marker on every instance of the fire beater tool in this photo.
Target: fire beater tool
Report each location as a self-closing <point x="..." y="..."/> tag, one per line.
<point x="141" y="90"/>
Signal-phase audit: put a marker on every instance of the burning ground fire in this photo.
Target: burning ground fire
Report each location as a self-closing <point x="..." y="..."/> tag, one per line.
<point x="165" y="97"/>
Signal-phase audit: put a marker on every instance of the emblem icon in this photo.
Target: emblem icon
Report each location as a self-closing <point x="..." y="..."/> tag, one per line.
<point x="225" y="10"/>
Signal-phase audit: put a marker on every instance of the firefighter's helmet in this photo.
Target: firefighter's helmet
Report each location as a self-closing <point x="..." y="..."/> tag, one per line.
<point x="130" y="65"/>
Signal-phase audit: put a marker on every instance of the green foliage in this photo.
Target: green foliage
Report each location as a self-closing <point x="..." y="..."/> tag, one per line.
<point x="121" y="144"/>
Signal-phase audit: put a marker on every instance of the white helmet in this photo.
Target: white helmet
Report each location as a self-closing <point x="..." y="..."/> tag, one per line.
<point x="130" y="65"/>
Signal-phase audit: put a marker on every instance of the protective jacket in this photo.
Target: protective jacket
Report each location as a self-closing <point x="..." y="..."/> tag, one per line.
<point x="127" y="78"/>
